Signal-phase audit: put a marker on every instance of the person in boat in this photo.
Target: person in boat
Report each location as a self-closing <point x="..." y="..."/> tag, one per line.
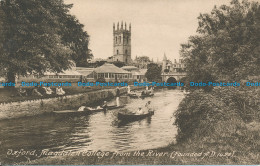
<point x="22" y="92"/>
<point x="148" y="106"/>
<point x="104" y="106"/>
<point x="60" y="91"/>
<point x="48" y="90"/>
<point x="117" y="97"/>
<point x="140" y="111"/>
<point x="35" y="92"/>
<point x="151" y="90"/>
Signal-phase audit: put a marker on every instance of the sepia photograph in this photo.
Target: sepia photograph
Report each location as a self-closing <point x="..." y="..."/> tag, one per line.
<point x="129" y="82"/>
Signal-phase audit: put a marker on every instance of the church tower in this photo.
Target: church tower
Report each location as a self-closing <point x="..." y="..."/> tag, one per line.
<point x="122" y="43"/>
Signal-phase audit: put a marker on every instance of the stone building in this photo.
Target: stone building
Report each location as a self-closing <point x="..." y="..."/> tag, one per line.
<point x="176" y="66"/>
<point x="122" y="43"/>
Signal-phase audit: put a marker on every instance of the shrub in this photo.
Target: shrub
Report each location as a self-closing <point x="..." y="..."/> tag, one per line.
<point x="221" y="113"/>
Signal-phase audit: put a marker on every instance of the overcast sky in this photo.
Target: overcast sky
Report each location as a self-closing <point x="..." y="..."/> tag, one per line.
<point x="158" y="26"/>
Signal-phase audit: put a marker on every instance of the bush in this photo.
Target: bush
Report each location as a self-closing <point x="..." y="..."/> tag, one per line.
<point x="221" y="113"/>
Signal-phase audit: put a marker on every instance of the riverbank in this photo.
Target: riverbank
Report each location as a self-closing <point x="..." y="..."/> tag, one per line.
<point x="36" y="106"/>
<point x="11" y="95"/>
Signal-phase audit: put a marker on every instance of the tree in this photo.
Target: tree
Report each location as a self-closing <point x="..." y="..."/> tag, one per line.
<point x="119" y="64"/>
<point x="36" y="37"/>
<point x="77" y="40"/>
<point x="228" y="45"/>
<point x="142" y="59"/>
<point x="153" y="72"/>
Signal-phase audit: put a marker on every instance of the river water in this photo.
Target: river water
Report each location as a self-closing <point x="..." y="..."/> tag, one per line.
<point x="99" y="131"/>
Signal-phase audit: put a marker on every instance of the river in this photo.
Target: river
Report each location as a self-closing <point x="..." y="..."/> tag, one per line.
<point x="99" y="131"/>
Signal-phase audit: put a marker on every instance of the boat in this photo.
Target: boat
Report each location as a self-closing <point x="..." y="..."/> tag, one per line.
<point x="133" y="117"/>
<point x="132" y="95"/>
<point x="111" y="107"/>
<point x="94" y="109"/>
<point x="87" y="110"/>
<point x="71" y="112"/>
<point x="147" y="95"/>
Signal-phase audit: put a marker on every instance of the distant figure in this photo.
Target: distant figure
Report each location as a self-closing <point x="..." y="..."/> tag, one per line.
<point x="117" y="97"/>
<point x="35" y="92"/>
<point x="60" y="91"/>
<point x="128" y="89"/>
<point x="22" y="92"/>
<point x="104" y="105"/>
<point x="48" y="90"/>
<point x="146" y="90"/>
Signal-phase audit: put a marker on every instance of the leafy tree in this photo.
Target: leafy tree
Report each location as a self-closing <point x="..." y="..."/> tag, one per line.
<point x="228" y="45"/>
<point x="37" y="37"/>
<point x="142" y="59"/>
<point x="119" y="64"/>
<point x="153" y="72"/>
<point x="77" y="39"/>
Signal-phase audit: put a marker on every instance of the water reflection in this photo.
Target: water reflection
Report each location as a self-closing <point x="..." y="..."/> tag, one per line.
<point x="95" y="132"/>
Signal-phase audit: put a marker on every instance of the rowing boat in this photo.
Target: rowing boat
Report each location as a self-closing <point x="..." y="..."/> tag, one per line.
<point x="87" y="110"/>
<point x="147" y="95"/>
<point x="71" y="112"/>
<point x="111" y="107"/>
<point x="133" y="95"/>
<point x="133" y="117"/>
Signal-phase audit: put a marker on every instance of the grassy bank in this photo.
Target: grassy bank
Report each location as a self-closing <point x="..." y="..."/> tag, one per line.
<point x="11" y="95"/>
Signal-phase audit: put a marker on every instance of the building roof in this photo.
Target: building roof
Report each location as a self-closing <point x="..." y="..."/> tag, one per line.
<point x="140" y="72"/>
<point x="66" y="72"/>
<point x="110" y="68"/>
<point x="129" y="68"/>
<point x="85" y="71"/>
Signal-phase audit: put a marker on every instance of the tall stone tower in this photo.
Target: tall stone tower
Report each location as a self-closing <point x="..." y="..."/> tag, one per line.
<point x="122" y="43"/>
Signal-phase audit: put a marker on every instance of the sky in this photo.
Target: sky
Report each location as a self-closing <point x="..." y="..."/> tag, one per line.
<point x="158" y="26"/>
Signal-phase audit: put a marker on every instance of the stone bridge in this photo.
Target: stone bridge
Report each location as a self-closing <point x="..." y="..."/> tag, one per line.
<point x="171" y="76"/>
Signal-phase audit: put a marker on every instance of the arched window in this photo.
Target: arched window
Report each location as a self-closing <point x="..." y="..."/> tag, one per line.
<point x="126" y="52"/>
<point x="117" y="52"/>
<point x="119" y="39"/>
<point x="116" y="39"/>
<point x="127" y="40"/>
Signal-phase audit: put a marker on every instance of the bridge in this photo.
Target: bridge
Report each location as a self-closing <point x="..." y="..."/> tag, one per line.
<point x="173" y="76"/>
